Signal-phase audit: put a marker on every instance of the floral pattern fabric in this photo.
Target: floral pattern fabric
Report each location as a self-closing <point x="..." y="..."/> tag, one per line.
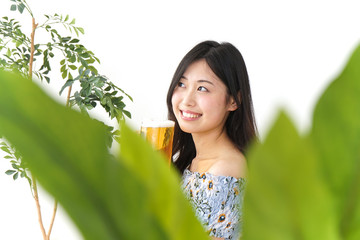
<point x="217" y="201"/>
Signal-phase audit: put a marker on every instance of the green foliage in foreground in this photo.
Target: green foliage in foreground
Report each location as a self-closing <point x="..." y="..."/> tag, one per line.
<point x="299" y="187"/>
<point x="135" y="196"/>
<point x="308" y="187"/>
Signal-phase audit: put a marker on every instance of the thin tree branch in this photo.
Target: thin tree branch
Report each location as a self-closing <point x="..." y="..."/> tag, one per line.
<point x="52" y="220"/>
<point x="36" y="197"/>
<point x="35" y="190"/>
<point x="68" y="97"/>
<point x="32" y="50"/>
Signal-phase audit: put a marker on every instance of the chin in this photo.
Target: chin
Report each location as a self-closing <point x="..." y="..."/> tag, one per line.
<point x="188" y="129"/>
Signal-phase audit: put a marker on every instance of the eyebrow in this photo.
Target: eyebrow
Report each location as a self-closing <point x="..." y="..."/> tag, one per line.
<point x="200" y="81"/>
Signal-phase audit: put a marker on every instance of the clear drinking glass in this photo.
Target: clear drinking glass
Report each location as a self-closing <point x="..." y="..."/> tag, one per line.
<point x="160" y="134"/>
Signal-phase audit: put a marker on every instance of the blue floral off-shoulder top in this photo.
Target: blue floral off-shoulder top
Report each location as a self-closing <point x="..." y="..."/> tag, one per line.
<point x="217" y="201"/>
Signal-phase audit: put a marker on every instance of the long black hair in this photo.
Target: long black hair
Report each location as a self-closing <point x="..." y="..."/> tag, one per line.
<point x="227" y="63"/>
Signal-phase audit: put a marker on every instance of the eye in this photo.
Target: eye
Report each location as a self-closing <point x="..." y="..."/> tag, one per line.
<point x="202" y="89"/>
<point x="180" y="84"/>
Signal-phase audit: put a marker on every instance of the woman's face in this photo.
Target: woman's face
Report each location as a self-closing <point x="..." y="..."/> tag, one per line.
<point x="200" y="101"/>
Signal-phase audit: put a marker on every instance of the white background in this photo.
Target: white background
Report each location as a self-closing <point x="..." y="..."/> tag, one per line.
<point x="292" y="49"/>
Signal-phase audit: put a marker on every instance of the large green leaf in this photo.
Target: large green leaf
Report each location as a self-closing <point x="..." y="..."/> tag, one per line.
<point x="164" y="199"/>
<point x="135" y="196"/>
<point x="336" y="136"/>
<point x="286" y="198"/>
<point x="307" y="187"/>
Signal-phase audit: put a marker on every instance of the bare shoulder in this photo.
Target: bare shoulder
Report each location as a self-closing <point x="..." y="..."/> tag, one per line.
<point x="233" y="165"/>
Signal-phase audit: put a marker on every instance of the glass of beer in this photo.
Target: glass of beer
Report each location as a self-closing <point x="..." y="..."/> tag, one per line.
<point x="160" y="134"/>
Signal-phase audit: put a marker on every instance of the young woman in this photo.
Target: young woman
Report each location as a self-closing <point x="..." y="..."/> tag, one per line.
<point x="210" y="101"/>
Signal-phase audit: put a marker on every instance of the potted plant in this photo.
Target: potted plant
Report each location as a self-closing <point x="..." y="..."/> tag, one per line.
<point x="77" y="67"/>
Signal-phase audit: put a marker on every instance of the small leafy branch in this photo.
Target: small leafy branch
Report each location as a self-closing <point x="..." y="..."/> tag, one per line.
<point x="77" y="62"/>
<point x="18" y="52"/>
<point x="20" y="5"/>
<point x="97" y="89"/>
<point x="19" y="167"/>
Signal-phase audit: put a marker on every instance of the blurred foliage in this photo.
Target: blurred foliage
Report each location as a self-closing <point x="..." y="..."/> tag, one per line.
<point x="307" y="187"/>
<point x="133" y="196"/>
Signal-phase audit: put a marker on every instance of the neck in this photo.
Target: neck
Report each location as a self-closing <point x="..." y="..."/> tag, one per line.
<point x="208" y="145"/>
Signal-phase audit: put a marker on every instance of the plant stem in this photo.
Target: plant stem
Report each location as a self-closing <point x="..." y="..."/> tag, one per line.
<point x="68" y="97"/>
<point x="27" y="7"/>
<point x="32" y="50"/>
<point x="52" y="220"/>
<point x="36" y="197"/>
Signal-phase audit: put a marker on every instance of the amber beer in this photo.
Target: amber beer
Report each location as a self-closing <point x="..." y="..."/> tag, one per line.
<point x="160" y="134"/>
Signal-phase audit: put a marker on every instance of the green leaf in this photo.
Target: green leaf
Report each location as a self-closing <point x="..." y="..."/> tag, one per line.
<point x="307" y="187"/>
<point x="66" y="18"/>
<point x="99" y="93"/>
<point x="83" y="62"/>
<point x="97" y="59"/>
<point x="93" y="69"/>
<point x="85" y="55"/>
<point x="63" y="68"/>
<point x="10" y="172"/>
<point x="135" y="196"/>
<point x="72" y="59"/>
<point x="103" y="101"/>
<point x="64" y="74"/>
<point x="8" y="52"/>
<point x="67" y="84"/>
<point x="16" y="175"/>
<point x="156" y="175"/>
<point x="285" y="196"/>
<point x="18" y="43"/>
<point x="13" y="7"/>
<point x="76" y="31"/>
<point x="80" y="30"/>
<point x="65" y="39"/>
<point x="74" y="40"/>
<point x="336" y="135"/>
<point x="6" y="149"/>
<point x="127" y="113"/>
<point x="21" y="7"/>
<point x="73" y="67"/>
<point x="62" y="62"/>
<point x="15" y="166"/>
<point x="73" y="21"/>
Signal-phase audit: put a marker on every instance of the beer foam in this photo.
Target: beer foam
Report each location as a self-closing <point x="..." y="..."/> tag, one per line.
<point x="157" y="123"/>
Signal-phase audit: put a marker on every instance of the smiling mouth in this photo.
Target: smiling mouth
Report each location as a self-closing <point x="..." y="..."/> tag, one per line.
<point x="188" y="115"/>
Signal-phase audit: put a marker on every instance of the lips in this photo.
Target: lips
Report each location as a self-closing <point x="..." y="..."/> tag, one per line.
<point x="188" y="115"/>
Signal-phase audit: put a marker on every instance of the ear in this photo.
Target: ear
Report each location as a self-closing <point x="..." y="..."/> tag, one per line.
<point x="232" y="103"/>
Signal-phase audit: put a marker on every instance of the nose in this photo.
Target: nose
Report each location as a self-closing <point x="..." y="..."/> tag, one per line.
<point x="189" y="98"/>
